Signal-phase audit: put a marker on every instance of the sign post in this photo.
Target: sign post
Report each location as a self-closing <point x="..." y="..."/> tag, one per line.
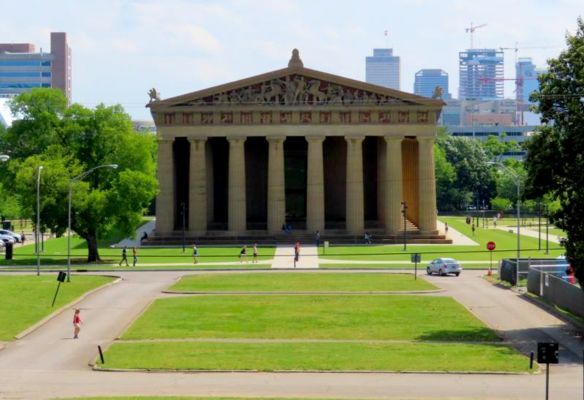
<point x="416" y="258"/>
<point x="491" y="246"/>
<point x="547" y="353"/>
<point x="60" y="278"/>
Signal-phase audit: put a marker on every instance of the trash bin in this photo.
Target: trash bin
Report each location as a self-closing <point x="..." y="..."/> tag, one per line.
<point x="8" y="254"/>
<point x="6" y="225"/>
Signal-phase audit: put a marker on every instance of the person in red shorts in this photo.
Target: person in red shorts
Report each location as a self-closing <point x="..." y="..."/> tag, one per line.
<point x="77" y="323"/>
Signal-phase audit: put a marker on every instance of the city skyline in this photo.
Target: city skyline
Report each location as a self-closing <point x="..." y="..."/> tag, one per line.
<point x="177" y="46"/>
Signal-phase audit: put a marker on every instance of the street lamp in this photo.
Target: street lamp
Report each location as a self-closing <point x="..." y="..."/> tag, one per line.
<point x="77" y="178"/>
<point x="517" y="181"/>
<point x="38" y="221"/>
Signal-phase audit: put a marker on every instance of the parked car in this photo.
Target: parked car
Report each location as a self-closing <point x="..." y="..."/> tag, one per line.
<point x="444" y="266"/>
<point x="7" y="239"/>
<point x="16" y="236"/>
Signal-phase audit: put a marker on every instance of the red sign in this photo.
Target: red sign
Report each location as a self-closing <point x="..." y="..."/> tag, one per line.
<point x="491" y="246"/>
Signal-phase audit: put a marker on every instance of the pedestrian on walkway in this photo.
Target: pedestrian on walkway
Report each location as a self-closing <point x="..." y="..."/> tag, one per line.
<point x="317" y="239"/>
<point x="446" y="229"/>
<point x="124" y="256"/>
<point x="296" y="253"/>
<point x="243" y="254"/>
<point x="22" y="238"/>
<point x="255" y="253"/>
<point x="195" y="254"/>
<point x="473" y="229"/>
<point x="367" y="238"/>
<point x="134" y="256"/>
<point x="76" y="323"/>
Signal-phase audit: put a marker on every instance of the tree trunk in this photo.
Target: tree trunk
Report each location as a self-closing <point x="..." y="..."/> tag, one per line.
<point x="92" y="250"/>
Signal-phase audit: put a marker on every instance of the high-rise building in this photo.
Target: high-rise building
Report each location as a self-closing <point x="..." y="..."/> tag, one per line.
<point x="426" y="81"/>
<point x="22" y="68"/>
<point x="481" y="74"/>
<point x="383" y="69"/>
<point x="526" y="79"/>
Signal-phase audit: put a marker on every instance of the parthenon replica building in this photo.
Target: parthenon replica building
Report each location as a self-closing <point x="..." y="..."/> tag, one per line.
<point x="295" y="148"/>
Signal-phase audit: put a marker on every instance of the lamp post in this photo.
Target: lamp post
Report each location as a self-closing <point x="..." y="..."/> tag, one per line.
<point x="404" y="209"/>
<point x="517" y="181"/>
<point x="38" y="221"/>
<point x="78" y="177"/>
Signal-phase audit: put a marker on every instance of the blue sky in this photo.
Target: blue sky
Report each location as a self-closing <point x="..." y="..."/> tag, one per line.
<point x="122" y="48"/>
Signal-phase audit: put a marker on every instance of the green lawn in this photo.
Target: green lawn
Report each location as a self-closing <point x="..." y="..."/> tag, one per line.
<point x="300" y="282"/>
<point x="107" y="267"/>
<point x="506" y="247"/>
<point x="404" y="265"/>
<point x="55" y="252"/>
<point x="356" y="317"/>
<point x="316" y="356"/>
<point x="27" y="299"/>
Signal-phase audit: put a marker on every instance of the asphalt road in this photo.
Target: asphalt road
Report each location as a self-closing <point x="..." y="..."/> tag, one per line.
<point x="48" y="363"/>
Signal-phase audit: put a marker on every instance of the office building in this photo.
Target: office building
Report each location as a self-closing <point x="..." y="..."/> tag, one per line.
<point x="481" y="74"/>
<point x="383" y="69"/>
<point x="526" y="80"/>
<point x="22" y="68"/>
<point x="426" y="81"/>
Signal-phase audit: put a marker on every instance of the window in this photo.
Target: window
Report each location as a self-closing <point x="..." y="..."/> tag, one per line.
<point x="20" y="63"/>
<point x="46" y="74"/>
<point x="19" y="85"/>
<point x="46" y="63"/>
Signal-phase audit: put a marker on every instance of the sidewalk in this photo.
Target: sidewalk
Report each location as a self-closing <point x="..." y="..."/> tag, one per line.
<point x="531" y="233"/>
<point x="284" y="257"/>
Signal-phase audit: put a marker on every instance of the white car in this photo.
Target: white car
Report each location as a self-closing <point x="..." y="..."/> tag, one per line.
<point x="7" y="239"/>
<point x="444" y="266"/>
<point x="16" y="236"/>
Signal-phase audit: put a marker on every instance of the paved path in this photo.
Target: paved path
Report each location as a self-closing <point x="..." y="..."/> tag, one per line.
<point x="49" y="364"/>
<point x="457" y="238"/>
<point x="284" y="257"/>
<point x="530" y="233"/>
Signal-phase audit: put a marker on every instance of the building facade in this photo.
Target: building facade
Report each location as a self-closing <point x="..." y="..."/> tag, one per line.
<point x="526" y="80"/>
<point x="294" y="146"/>
<point x="481" y="74"/>
<point x="427" y="80"/>
<point x="22" y="68"/>
<point x="383" y="69"/>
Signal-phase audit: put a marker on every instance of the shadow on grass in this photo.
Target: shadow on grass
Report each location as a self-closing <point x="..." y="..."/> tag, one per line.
<point x="467" y="335"/>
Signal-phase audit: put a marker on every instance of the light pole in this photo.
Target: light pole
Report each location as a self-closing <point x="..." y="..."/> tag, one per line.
<point x="78" y="177"/>
<point x="517" y="181"/>
<point x="38" y="220"/>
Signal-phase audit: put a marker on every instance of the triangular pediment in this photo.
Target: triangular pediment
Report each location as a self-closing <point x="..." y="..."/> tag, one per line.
<point x="296" y="86"/>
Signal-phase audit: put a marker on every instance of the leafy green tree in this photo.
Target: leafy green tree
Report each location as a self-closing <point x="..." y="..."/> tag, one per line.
<point x="501" y="204"/>
<point x="445" y="177"/>
<point x="555" y="160"/>
<point x="69" y="141"/>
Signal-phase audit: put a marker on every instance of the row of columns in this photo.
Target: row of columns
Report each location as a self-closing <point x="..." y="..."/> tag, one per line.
<point x="315" y="213"/>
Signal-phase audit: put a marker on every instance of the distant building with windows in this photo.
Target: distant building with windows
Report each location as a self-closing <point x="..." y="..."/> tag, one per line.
<point x="426" y="81"/>
<point x="5" y="113"/>
<point x="481" y="74"/>
<point x="383" y="69"/>
<point x="526" y="81"/>
<point x="22" y="68"/>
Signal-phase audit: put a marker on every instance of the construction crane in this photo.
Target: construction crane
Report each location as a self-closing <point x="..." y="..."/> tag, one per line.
<point x="471" y="30"/>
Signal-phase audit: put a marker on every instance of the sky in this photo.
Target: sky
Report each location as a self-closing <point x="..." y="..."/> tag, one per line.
<point x="122" y="48"/>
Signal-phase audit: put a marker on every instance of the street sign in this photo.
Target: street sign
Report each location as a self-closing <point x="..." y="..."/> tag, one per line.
<point x="416" y="257"/>
<point x="491" y="246"/>
<point x="548" y="353"/>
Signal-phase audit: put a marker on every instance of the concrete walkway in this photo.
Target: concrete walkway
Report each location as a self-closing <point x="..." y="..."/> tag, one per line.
<point x="457" y="238"/>
<point x="48" y="364"/>
<point x="530" y="233"/>
<point x="284" y="257"/>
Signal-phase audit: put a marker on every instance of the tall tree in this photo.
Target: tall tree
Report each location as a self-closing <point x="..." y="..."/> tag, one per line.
<point x="555" y="159"/>
<point x="69" y="141"/>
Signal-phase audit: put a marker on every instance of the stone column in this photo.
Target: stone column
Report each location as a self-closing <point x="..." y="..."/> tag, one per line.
<point x="355" y="218"/>
<point x="236" y="211"/>
<point x="426" y="185"/>
<point x="315" y="185"/>
<point x="276" y="185"/>
<point x="198" y="186"/>
<point x="393" y="184"/>
<point x="165" y="199"/>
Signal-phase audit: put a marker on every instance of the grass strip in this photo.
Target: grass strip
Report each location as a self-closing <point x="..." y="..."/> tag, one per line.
<point x="316" y="357"/>
<point x="301" y="282"/>
<point x="27" y="299"/>
<point x="356" y="317"/>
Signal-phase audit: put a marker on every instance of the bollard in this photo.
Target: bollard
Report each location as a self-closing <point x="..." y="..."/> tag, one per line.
<point x="531" y="360"/>
<point x="100" y="354"/>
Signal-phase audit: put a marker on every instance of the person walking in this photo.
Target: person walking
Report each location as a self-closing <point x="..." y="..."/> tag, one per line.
<point x="317" y="239"/>
<point x="473" y="229"/>
<point x="296" y="253"/>
<point x="76" y="323"/>
<point x="446" y="229"/>
<point x="195" y="254"/>
<point x="255" y="253"/>
<point x="134" y="256"/>
<point x="243" y="254"/>
<point x="124" y="256"/>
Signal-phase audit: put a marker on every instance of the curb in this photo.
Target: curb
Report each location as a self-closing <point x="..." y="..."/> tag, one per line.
<point x="95" y="367"/>
<point x="552" y="310"/>
<point x="65" y="307"/>
<point x="286" y="293"/>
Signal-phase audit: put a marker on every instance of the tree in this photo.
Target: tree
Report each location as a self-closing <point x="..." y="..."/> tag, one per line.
<point x="69" y="141"/>
<point x="445" y="177"/>
<point x="555" y="161"/>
